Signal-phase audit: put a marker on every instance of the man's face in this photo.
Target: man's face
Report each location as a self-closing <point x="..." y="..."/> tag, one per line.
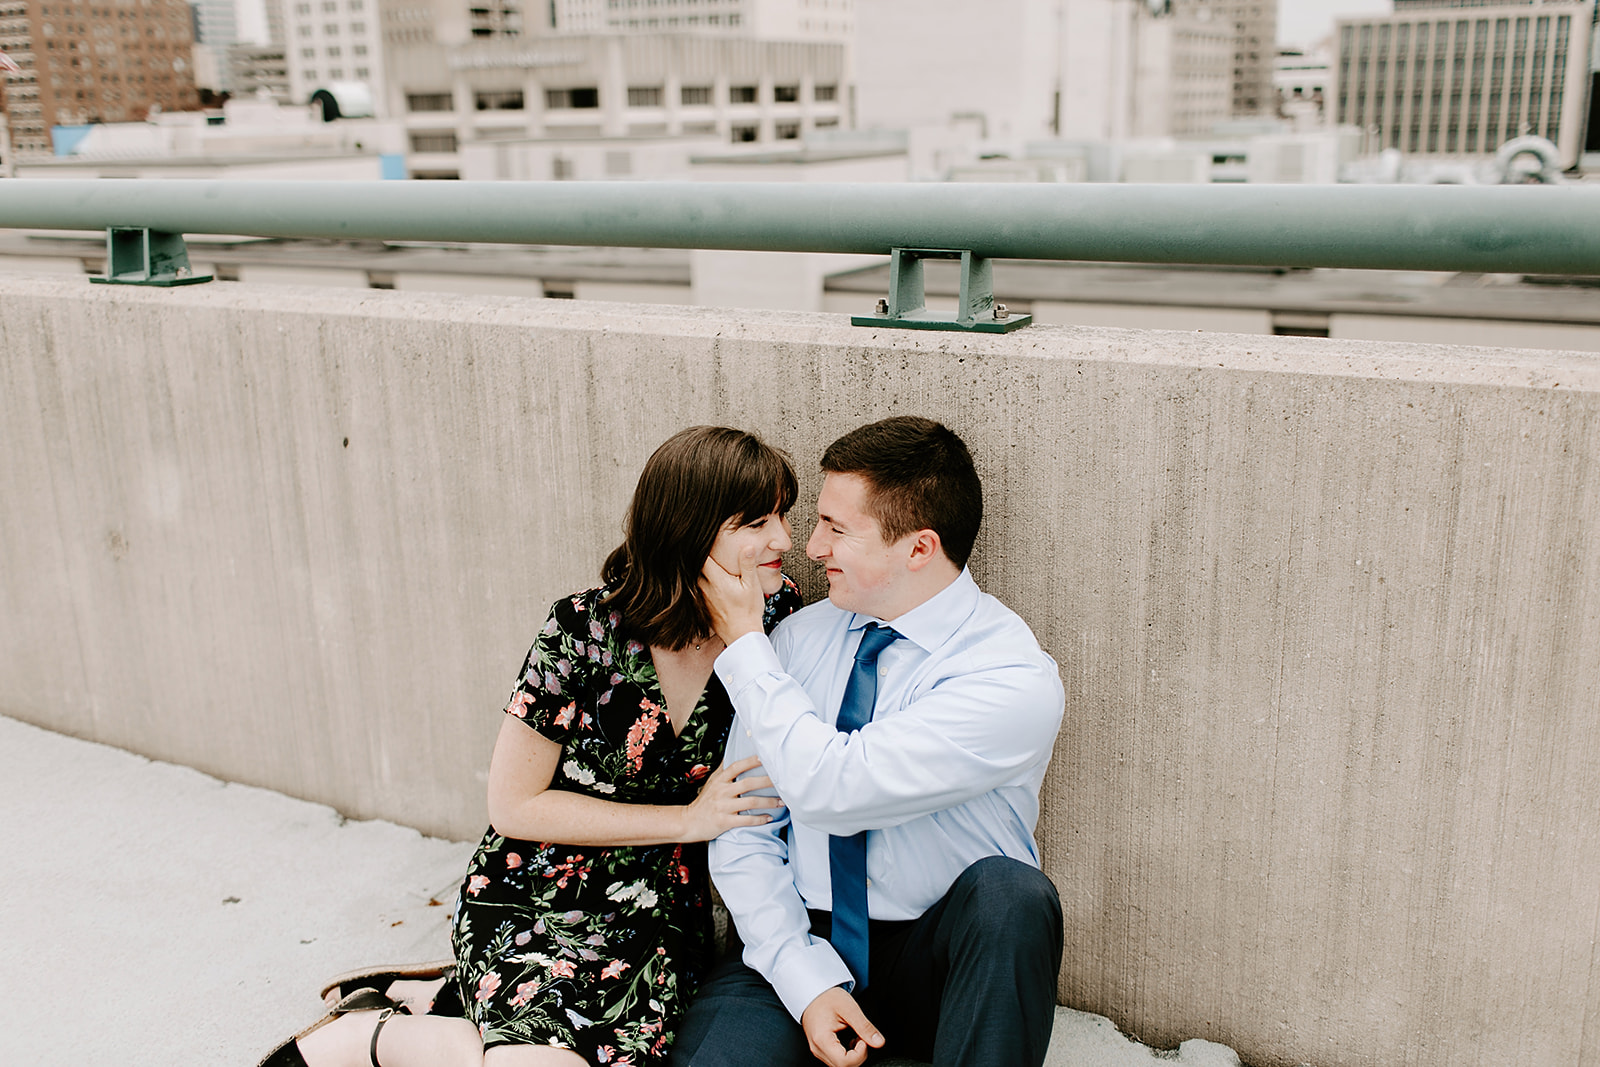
<point x="864" y="573"/>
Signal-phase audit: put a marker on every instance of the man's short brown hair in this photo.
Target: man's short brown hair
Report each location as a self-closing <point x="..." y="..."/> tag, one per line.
<point x="919" y="476"/>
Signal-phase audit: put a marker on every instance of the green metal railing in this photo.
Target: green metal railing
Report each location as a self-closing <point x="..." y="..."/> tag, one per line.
<point x="1509" y="229"/>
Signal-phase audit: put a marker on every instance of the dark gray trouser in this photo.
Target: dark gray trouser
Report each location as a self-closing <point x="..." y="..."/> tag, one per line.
<point x="972" y="983"/>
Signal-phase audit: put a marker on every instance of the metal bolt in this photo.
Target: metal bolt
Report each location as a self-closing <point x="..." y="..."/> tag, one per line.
<point x="1001" y="311"/>
<point x="883" y="307"/>
<point x="184" y="272"/>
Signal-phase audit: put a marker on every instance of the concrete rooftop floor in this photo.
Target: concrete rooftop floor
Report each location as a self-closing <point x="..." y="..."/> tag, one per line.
<point x="150" y="914"/>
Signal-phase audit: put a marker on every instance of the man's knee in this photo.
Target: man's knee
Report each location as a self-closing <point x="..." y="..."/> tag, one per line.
<point x="1002" y="894"/>
<point x="737" y="1019"/>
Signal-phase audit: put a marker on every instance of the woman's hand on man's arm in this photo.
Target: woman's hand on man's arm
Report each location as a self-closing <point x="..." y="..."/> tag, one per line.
<point x="523" y="806"/>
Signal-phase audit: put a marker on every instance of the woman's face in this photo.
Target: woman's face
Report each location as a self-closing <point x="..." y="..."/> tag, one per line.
<point x="768" y="535"/>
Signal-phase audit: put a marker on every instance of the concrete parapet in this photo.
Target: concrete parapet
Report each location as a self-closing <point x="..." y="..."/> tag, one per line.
<point x="1328" y="612"/>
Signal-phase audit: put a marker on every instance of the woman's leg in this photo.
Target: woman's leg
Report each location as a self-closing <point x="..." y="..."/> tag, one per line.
<point x="405" y="1041"/>
<point x="530" y="1056"/>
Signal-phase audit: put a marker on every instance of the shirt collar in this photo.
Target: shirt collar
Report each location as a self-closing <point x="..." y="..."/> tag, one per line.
<point x="933" y="622"/>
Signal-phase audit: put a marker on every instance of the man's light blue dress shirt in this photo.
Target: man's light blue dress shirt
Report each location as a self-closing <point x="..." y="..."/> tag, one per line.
<point x="947" y="772"/>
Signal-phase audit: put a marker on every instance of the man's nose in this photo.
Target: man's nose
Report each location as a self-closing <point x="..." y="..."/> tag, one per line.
<point x="815" y="547"/>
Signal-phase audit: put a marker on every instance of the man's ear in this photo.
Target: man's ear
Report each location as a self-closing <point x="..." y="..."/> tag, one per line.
<point x="925" y="548"/>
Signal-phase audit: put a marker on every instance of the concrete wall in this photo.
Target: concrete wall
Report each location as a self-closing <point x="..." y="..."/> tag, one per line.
<point x="1328" y="612"/>
<point x="1573" y="336"/>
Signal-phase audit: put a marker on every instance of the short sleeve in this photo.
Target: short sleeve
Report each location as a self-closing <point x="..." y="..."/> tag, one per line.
<point x="551" y="688"/>
<point x="780" y="605"/>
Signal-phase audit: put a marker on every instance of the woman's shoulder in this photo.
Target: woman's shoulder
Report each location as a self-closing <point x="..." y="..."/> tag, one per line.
<point x="780" y="605"/>
<point x="580" y="612"/>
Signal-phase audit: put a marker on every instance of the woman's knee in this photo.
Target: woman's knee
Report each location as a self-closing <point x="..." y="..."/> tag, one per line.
<point x="531" y="1056"/>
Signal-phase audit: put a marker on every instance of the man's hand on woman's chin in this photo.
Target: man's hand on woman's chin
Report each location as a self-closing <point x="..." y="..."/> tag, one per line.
<point x="735" y="600"/>
<point x="837" y="1031"/>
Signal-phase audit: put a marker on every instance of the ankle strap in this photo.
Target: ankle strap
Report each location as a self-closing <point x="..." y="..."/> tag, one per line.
<point x="383" y="1017"/>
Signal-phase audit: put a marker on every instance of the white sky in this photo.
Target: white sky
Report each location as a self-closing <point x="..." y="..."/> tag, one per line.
<point x="1305" y="22"/>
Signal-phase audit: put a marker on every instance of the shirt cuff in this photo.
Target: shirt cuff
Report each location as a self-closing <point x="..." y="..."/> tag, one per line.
<point x="747" y="659"/>
<point x="803" y="974"/>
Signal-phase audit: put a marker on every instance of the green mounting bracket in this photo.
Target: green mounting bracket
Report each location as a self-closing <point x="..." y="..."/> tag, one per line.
<point x="137" y="256"/>
<point x="907" y="309"/>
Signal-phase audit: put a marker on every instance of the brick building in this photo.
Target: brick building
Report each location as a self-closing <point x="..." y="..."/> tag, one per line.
<point x="87" y="61"/>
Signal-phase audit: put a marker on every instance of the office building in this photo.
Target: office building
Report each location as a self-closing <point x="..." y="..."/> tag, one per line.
<point x="1100" y="70"/>
<point x="253" y="68"/>
<point x="1255" y="34"/>
<point x="1300" y="81"/>
<point x="84" y="63"/>
<point x="610" y="86"/>
<point x="328" y="41"/>
<point x="1460" y="80"/>
<point x="786" y="20"/>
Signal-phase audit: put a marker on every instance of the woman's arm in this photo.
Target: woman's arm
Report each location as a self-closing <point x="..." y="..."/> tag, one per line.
<point x="522" y="804"/>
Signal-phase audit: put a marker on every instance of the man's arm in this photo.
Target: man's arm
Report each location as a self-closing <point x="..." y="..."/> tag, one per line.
<point x="751" y="868"/>
<point x="971" y="733"/>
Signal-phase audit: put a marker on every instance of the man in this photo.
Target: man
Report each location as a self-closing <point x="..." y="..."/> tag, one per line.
<point x="895" y="902"/>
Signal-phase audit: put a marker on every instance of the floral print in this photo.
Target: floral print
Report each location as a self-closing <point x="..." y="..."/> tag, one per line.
<point x="589" y="948"/>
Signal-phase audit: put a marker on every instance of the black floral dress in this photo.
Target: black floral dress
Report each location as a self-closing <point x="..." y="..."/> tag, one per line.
<point x="591" y="948"/>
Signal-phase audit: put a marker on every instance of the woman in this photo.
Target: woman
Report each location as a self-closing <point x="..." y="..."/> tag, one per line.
<point x="586" y="950"/>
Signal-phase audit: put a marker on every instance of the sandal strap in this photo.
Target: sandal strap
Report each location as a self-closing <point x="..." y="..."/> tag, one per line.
<point x="362" y="1000"/>
<point x="372" y="1052"/>
<point x="381" y="977"/>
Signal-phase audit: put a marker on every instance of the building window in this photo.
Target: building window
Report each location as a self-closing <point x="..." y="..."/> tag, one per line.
<point x="362" y="73"/>
<point x="742" y="134"/>
<point x="741" y="94"/>
<point x="436" y="141"/>
<point x="308" y="53"/>
<point x="359" y="49"/>
<point x="311" y="75"/>
<point x="330" y="29"/>
<point x="560" y="168"/>
<point x="302" y="9"/>
<point x="430" y="102"/>
<point x="644" y="96"/>
<point x="333" y="50"/>
<point x="825" y="92"/>
<point x="505" y="100"/>
<point x="564" y="99"/>
<point x="694" y="95"/>
<point x="358" y="27"/>
<point x="785" y="94"/>
<point x="336" y="74"/>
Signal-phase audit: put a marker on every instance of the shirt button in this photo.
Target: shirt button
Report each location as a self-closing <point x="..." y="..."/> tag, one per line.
<point x="883" y="672"/>
<point x="747" y="733"/>
<point x="869" y="883"/>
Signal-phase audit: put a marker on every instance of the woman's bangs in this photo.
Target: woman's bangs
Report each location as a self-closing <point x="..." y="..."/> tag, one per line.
<point x="765" y="485"/>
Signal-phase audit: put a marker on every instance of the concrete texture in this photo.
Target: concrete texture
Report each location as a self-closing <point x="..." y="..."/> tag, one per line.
<point x="154" y="915"/>
<point x="1328" y="612"/>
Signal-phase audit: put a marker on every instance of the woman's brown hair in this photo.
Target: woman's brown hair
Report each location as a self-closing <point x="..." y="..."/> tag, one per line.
<point x="694" y="483"/>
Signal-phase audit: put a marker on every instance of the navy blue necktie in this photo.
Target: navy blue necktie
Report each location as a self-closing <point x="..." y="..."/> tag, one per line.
<point x="848" y="855"/>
